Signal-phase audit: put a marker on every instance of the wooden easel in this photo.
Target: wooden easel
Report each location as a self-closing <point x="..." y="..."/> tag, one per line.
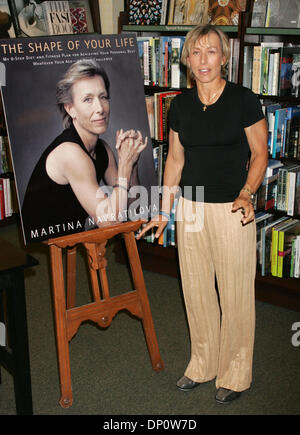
<point x="102" y="310"/>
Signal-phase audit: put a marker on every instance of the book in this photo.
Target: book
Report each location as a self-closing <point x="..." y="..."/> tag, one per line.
<point x="295" y="261"/>
<point x="292" y="129"/>
<point x="176" y="48"/>
<point x="266" y="245"/>
<point x="233" y="60"/>
<point x="144" y="12"/>
<point x="57" y="16"/>
<point x="270" y="116"/>
<point x="226" y="13"/>
<point x="265" y="197"/>
<point x="273" y="167"/>
<point x="81" y="17"/>
<point x="292" y="178"/>
<point x="285" y="237"/>
<point x="41" y="125"/>
<point x="248" y="66"/>
<point x="256" y="68"/>
<point x="259" y="13"/>
<point x="189" y="12"/>
<point x="261" y="219"/>
<point x="282" y="187"/>
<point x="274" y="245"/>
<point x="266" y="49"/>
<point x="295" y="76"/>
<point x="2" y="200"/>
<point x="297" y="194"/>
<point x="161" y="113"/>
<point x="282" y="13"/>
<point x="279" y="132"/>
<point x="4" y="158"/>
<point x="285" y="77"/>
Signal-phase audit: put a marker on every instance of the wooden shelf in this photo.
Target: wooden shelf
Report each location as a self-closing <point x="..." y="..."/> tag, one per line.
<point x="272" y="31"/>
<point x="170" y="29"/>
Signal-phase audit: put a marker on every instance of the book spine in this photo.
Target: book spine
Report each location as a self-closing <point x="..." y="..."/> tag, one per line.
<point x="274" y="252"/>
<point x="175" y="65"/>
<point x="58" y="17"/>
<point x="2" y="201"/>
<point x="291" y="193"/>
<point x="280" y="253"/>
<point x="256" y="69"/>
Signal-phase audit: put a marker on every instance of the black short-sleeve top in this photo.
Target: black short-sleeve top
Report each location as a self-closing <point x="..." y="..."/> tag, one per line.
<point x="216" y="149"/>
<point x="50" y="209"/>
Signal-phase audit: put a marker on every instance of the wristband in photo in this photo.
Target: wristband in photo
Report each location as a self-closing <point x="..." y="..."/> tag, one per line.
<point x="120" y="185"/>
<point x="163" y="213"/>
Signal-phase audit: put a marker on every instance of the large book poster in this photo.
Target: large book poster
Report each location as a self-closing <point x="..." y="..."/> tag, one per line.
<point x="54" y="154"/>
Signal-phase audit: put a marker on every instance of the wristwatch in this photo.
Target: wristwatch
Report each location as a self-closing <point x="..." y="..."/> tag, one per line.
<point x="251" y="195"/>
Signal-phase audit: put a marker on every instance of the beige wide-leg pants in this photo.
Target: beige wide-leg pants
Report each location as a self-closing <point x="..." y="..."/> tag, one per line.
<point x="221" y="331"/>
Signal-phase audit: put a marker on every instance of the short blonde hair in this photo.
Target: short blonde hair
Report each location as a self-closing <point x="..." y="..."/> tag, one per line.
<point x="199" y="31"/>
<point x="78" y="70"/>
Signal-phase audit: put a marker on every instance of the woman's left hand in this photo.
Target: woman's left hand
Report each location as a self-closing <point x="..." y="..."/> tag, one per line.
<point x="243" y="202"/>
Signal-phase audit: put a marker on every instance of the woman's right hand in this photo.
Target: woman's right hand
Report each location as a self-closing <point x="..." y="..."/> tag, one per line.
<point x="158" y="221"/>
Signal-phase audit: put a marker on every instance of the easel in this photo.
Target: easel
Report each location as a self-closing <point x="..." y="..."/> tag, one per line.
<point x="68" y="318"/>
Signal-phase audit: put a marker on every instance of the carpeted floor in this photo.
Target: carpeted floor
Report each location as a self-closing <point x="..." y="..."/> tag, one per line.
<point x="111" y="369"/>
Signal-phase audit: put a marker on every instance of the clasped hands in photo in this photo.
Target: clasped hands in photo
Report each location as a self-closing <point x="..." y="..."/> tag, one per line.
<point x="129" y="145"/>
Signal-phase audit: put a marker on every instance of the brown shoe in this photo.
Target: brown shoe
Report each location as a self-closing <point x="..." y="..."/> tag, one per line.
<point x="226" y="396"/>
<point x="186" y="384"/>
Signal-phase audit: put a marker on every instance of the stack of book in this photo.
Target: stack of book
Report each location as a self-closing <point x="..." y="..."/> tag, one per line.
<point x="285" y="248"/>
<point x="160" y="61"/>
<point x="158" y="106"/>
<point x="161" y="66"/>
<point x="280" y="189"/>
<point x="279" y="247"/>
<point x="283" y="130"/>
<point x="272" y="69"/>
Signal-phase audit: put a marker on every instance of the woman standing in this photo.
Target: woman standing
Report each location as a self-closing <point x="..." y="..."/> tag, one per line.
<point x="214" y="127"/>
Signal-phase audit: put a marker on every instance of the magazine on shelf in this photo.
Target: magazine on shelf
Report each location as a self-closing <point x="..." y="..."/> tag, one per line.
<point x="259" y="13"/>
<point x="33" y="68"/>
<point x="188" y="12"/>
<point x="225" y="13"/>
<point x="42" y="18"/>
<point x="283" y="13"/>
<point x="147" y="13"/>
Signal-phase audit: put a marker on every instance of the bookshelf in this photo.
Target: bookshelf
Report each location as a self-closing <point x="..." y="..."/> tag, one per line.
<point x="284" y="292"/>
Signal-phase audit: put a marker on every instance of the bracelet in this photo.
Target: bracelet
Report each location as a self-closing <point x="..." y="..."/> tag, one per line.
<point x="251" y="195"/>
<point x="120" y="185"/>
<point x="247" y="190"/>
<point x="163" y="213"/>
